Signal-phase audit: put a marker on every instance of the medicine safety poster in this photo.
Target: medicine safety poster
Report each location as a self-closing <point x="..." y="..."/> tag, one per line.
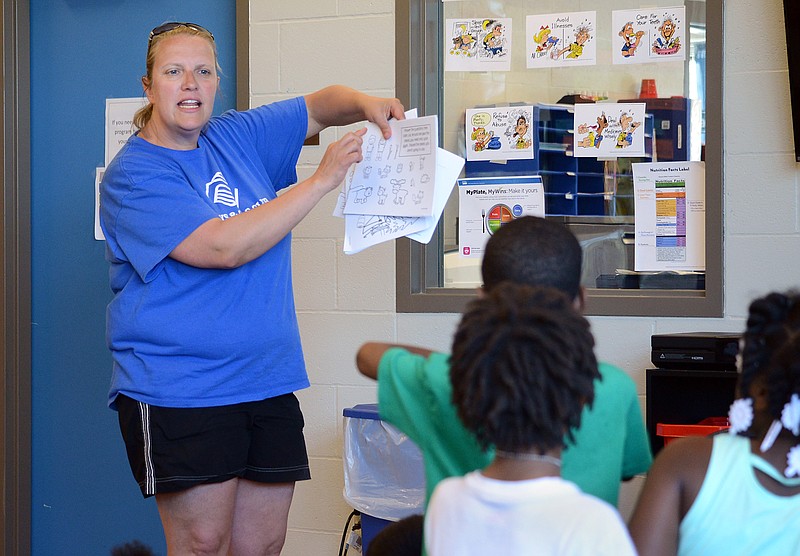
<point x="609" y="129"/>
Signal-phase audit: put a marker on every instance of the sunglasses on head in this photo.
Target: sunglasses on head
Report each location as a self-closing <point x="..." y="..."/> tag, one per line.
<point x="165" y="27"/>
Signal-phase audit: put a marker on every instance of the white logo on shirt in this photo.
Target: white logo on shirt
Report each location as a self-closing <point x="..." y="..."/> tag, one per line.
<point x="222" y="192"/>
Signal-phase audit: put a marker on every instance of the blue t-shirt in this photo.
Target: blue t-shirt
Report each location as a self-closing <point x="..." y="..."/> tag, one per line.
<point x="183" y="336"/>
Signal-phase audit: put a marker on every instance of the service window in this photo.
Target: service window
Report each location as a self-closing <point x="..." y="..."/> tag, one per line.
<point x="609" y="106"/>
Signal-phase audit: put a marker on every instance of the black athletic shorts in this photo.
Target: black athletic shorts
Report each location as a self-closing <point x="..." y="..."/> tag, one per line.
<point x="172" y="449"/>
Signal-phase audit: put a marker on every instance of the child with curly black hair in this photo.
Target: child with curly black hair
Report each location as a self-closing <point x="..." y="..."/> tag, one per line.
<point x="522" y="368"/>
<point x="737" y="493"/>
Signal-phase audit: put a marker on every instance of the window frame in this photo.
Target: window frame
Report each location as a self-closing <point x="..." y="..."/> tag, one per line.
<point x="418" y="63"/>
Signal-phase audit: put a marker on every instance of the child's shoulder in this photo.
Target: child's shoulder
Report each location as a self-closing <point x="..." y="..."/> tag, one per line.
<point x="686" y="461"/>
<point x="614" y="377"/>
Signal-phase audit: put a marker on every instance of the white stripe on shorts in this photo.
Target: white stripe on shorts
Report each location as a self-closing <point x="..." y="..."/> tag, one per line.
<point x="149" y="472"/>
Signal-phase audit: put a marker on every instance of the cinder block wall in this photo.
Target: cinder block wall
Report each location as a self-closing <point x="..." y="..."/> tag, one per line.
<point x="300" y="46"/>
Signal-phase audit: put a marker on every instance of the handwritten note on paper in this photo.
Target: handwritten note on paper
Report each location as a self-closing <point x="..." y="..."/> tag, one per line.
<point x="670" y="216"/>
<point x="396" y="176"/>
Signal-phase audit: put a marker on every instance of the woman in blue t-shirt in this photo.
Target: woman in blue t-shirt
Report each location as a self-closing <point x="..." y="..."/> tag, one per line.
<point x="202" y="326"/>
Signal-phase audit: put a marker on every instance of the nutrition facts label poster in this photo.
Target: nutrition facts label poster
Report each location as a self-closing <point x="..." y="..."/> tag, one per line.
<point x="670" y="216"/>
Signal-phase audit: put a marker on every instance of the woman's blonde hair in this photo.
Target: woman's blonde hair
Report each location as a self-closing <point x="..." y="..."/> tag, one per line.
<point x="143" y="115"/>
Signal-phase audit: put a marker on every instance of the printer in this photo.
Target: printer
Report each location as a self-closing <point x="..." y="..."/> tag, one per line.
<point x="694" y="380"/>
<point x="712" y="351"/>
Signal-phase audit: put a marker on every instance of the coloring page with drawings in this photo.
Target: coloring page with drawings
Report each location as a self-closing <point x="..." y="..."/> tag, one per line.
<point x="396" y="176"/>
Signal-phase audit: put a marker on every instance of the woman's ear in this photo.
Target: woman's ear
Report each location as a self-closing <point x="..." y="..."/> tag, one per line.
<point x="146" y="87"/>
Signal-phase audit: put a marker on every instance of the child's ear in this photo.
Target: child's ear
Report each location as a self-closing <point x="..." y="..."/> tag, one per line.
<point x="760" y="394"/>
<point x="580" y="300"/>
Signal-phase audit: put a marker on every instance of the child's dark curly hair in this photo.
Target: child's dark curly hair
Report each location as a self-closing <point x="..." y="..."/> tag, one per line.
<point x="771" y="349"/>
<point x="522" y="367"/>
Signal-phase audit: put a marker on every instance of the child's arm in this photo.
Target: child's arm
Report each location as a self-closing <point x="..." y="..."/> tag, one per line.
<point x="636" y="456"/>
<point x="668" y="493"/>
<point x="369" y="356"/>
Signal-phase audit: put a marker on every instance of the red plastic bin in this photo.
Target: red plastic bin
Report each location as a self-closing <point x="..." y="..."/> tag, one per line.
<point x="705" y="427"/>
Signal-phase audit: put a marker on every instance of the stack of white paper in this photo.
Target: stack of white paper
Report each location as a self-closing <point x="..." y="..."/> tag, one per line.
<point x="401" y="186"/>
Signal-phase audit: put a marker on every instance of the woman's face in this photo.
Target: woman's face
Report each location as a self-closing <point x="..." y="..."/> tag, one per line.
<point x="182" y="91"/>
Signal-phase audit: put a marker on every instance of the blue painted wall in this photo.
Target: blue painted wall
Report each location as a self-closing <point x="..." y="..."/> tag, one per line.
<point x="84" y="499"/>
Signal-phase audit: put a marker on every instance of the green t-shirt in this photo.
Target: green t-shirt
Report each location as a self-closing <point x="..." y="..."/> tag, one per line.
<point x="414" y="395"/>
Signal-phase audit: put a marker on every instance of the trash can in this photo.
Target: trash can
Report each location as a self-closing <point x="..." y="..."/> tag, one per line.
<point x="384" y="478"/>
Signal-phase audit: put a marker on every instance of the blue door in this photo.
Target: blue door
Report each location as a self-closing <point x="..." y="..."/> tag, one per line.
<point x="84" y="499"/>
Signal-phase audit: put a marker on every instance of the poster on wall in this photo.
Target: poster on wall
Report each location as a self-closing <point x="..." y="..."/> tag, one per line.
<point x="500" y="133"/>
<point x="609" y="130"/>
<point x="119" y="122"/>
<point x="478" y="44"/>
<point x="565" y="39"/>
<point x="98" y="177"/>
<point x="670" y="213"/>
<point x="486" y="204"/>
<point x="650" y="35"/>
<point x="118" y="128"/>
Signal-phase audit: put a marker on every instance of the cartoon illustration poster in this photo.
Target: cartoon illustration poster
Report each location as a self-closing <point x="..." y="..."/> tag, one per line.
<point x="566" y="39"/>
<point x="609" y="129"/>
<point x="477" y="44"/>
<point x="501" y="133"/>
<point x="652" y="35"/>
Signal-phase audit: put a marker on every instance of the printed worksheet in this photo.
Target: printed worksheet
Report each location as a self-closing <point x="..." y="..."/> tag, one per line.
<point x="649" y="35"/>
<point x="502" y="133"/>
<point x="365" y="230"/>
<point x="477" y="44"/>
<point x="565" y="39"/>
<point x="670" y="213"/>
<point x="396" y="175"/>
<point x="609" y="129"/>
